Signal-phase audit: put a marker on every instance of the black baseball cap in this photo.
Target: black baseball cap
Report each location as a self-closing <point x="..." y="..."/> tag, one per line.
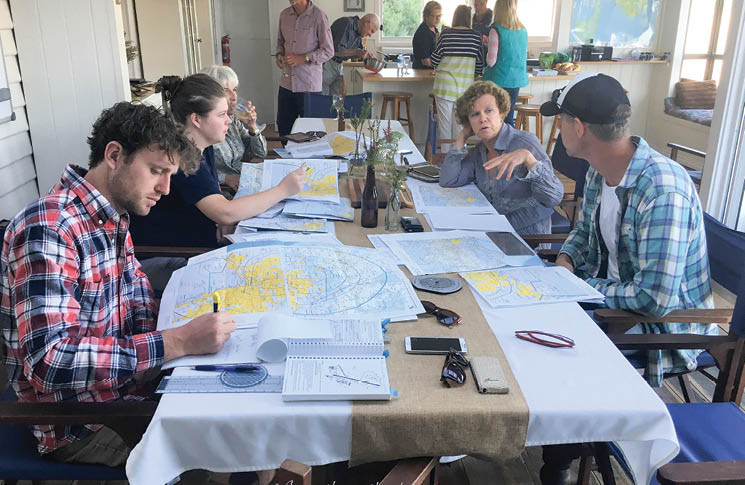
<point x="591" y="97"/>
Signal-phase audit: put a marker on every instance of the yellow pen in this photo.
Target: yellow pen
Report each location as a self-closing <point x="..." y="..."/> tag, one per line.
<point x="215" y="302"/>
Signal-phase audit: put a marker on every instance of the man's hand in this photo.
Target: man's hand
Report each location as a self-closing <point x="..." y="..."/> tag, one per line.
<point x="565" y="261"/>
<point x="465" y="133"/>
<point x="206" y="334"/>
<point x="427" y="62"/>
<point x="294" y="59"/>
<point x="364" y="54"/>
<point x="507" y="162"/>
<point x="293" y="181"/>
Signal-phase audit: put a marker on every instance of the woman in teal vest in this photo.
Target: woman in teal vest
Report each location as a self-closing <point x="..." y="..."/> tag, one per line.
<point x="508" y="51"/>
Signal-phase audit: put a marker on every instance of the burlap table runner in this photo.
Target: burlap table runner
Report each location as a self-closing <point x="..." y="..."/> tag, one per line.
<point x="427" y="418"/>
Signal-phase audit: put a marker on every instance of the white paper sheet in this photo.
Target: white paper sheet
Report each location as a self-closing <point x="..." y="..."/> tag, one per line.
<point x="508" y="287"/>
<point x="275" y="329"/>
<point x="467" y="199"/>
<point x="449" y="220"/>
<point x="281" y="222"/>
<point x="464" y="249"/>
<point x="342" y="211"/>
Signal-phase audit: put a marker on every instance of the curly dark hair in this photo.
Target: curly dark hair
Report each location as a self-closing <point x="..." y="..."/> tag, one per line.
<point x="464" y="104"/>
<point x="138" y="126"/>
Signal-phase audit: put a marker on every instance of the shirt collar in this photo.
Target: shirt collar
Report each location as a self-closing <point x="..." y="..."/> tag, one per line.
<point x="97" y="206"/>
<point x="637" y="163"/>
<point x="504" y="137"/>
<point x="356" y="25"/>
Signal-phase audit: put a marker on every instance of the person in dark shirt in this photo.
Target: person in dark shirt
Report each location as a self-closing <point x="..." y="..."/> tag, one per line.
<point x="195" y="213"/>
<point x="482" y="17"/>
<point x="425" y="36"/>
<point x="347" y="33"/>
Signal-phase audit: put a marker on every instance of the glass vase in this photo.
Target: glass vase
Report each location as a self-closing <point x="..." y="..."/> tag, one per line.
<point x="369" y="203"/>
<point x="393" y="212"/>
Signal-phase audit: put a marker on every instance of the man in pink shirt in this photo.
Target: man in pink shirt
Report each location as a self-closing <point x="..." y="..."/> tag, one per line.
<point x="304" y="43"/>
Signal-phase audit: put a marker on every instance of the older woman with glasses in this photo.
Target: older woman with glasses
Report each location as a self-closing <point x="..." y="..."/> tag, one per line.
<point x="509" y="166"/>
<point x="425" y="36"/>
<point x="243" y="139"/>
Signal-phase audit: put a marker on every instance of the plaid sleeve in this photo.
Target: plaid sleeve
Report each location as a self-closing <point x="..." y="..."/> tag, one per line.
<point x="59" y="351"/>
<point x="144" y="307"/>
<point x="578" y="241"/>
<point x="664" y="233"/>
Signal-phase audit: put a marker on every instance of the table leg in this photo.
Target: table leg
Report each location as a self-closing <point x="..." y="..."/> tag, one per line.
<point x="556" y="462"/>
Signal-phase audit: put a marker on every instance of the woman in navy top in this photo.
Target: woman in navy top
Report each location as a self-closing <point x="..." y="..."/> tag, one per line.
<point x="195" y="212"/>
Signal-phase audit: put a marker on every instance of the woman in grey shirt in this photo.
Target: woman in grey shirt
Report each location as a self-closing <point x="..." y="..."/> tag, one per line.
<point x="509" y="166"/>
<point x="242" y="139"/>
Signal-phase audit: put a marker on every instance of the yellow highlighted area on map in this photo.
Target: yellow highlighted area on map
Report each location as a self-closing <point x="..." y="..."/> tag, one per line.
<point x="342" y="144"/>
<point x="261" y="289"/>
<point x="326" y="185"/>
<point x="489" y="281"/>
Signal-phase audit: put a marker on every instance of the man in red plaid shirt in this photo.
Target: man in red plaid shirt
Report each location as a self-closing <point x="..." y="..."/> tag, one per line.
<point x="77" y="315"/>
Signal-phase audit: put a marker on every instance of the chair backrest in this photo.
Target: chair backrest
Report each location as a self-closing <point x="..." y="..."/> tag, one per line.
<point x="726" y="248"/>
<point x="571" y="167"/>
<point x="320" y="105"/>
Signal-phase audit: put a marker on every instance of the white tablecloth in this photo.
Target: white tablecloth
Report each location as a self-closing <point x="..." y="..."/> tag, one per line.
<point x="588" y="393"/>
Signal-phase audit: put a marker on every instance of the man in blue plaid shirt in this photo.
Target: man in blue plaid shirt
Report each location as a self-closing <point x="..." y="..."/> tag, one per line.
<point x="639" y="238"/>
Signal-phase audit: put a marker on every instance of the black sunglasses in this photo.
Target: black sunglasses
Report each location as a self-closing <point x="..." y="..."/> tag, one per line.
<point x="446" y="317"/>
<point x="454" y="369"/>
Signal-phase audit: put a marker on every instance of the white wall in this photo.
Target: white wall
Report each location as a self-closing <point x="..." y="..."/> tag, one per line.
<point x="161" y="31"/>
<point x="17" y="171"/>
<point x="72" y="58"/>
<point x="247" y="23"/>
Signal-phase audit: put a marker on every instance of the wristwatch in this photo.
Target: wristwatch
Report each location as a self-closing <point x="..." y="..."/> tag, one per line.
<point x="307" y="59"/>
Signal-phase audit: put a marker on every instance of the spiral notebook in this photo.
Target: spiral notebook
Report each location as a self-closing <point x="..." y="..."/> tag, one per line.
<point x="350" y="366"/>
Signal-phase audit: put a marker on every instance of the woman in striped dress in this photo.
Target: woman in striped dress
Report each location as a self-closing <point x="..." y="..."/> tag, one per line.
<point x="458" y="59"/>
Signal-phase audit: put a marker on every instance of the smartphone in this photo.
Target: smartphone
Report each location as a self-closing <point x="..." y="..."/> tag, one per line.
<point x="411" y="224"/>
<point x="510" y="244"/>
<point x="434" y="345"/>
<point x="428" y="170"/>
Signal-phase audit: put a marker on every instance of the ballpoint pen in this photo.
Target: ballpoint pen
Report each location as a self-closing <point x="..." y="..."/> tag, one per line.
<point x="234" y="368"/>
<point x="215" y="302"/>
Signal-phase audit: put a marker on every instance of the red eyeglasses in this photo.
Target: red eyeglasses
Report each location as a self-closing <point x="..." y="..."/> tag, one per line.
<point x="537" y="337"/>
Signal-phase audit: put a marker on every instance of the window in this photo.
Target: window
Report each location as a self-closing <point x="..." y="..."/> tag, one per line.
<point x="706" y="38"/>
<point x="401" y="18"/>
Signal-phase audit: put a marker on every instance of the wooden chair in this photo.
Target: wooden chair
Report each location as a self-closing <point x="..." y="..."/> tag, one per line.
<point x="692" y="172"/>
<point x="724" y="246"/>
<point x="396" y="98"/>
<point x="553" y="135"/>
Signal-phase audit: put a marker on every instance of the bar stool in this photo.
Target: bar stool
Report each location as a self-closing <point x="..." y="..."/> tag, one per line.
<point x="553" y="135"/>
<point x="524" y="113"/>
<point x="396" y="98"/>
<point x="523" y="98"/>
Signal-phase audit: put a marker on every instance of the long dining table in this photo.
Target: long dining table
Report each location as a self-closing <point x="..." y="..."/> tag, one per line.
<point x="588" y="394"/>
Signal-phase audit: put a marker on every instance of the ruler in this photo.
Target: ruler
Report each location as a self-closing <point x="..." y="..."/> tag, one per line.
<point x="210" y="384"/>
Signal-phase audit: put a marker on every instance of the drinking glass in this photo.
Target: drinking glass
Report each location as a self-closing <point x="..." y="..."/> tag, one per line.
<point x="338" y="103"/>
<point x="407" y="63"/>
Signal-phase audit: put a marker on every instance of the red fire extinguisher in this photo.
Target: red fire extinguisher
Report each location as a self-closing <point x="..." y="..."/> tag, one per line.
<point x="225" y="50"/>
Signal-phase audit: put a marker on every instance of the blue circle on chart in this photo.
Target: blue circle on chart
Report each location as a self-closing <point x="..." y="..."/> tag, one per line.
<point x="251" y="378"/>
